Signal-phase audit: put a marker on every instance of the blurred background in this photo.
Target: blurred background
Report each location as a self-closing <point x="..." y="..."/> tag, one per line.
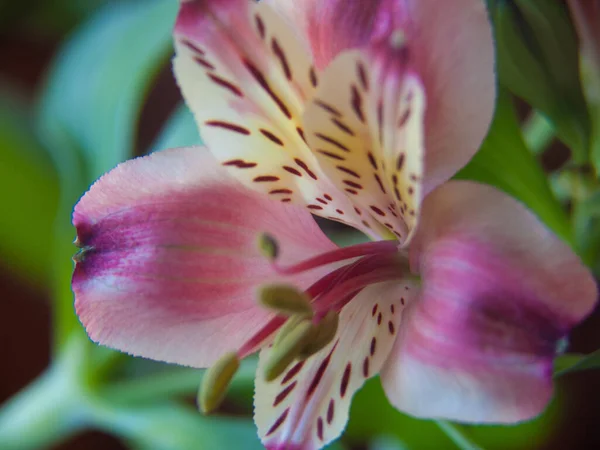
<point x="85" y="84"/>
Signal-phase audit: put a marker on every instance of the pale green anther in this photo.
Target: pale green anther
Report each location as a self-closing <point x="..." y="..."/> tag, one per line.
<point x="325" y="331"/>
<point x="286" y="300"/>
<point x="216" y="381"/>
<point x="268" y="246"/>
<point x="397" y="39"/>
<point x="288" y="348"/>
<point x="289" y="326"/>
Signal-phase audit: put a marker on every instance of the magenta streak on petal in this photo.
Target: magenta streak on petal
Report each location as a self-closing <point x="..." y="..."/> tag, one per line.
<point x="368" y="248"/>
<point x="503" y="322"/>
<point x="339" y="296"/>
<point x="260" y="337"/>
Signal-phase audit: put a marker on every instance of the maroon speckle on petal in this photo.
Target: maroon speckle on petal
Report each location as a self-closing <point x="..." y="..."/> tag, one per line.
<point x="228" y="126"/>
<point x="283" y="394"/>
<point x="331" y="155"/>
<point x="278" y="422"/>
<point x="319" y="373"/>
<point x="366" y="367"/>
<point x="226" y="84"/>
<point x="391" y="327"/>
<point x="320" y="428"/>
<point x="271" y="137"/>
<point x="292" y="372"/>
<point x="330" y="411"/>
<point x="345" y="380"/>
<point x="332" y="142"/>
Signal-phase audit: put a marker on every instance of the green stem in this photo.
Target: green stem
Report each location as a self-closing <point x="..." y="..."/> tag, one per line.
<point x="457" y="435"/>
<point x="50" y="409"/>
<point x="169" y="383"/>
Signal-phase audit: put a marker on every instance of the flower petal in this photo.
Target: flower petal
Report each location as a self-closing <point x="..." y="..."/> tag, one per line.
<point x="499" y="293"/>
<point x="170" y="263"/>
<point x="307" y="406"/>
<point x="246" y="77"/>
<point x="365" y="125"/>
<point x="451" y="50"/>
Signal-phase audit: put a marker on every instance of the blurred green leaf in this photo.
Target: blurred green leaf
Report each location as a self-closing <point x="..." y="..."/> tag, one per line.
<point x="414" y="433"/>
<point x="506" y="163"/>
<point x="97" y="83"/>
<point x="174" y="427"/>
<point x="89" y="109"/>
<point x="422" y="434"/>
<point x="586" y="223"/>
<point x="30" y="186"/>
<point x="179" y="131"/>
<point x="537" y="53"/>
<point x="569" y="363"/>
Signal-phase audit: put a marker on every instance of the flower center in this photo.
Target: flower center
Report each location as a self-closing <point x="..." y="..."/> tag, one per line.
<point x="307" y="321"/>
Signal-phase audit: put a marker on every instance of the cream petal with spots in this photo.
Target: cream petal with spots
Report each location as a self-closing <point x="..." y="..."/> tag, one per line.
<point x="247" y="78"/>
<point x="365" y="125"/>
<point x="307" y="406"/>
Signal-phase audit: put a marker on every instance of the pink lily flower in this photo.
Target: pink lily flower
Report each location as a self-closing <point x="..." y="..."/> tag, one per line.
<point x="359" y="112"/>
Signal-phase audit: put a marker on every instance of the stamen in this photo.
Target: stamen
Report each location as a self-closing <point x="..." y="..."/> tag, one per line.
<point x="288" y="327"/>
<point x="397" y="39"/>
<point x="341" y="254"/>
<point x="268" y="246"/>
<point x="285" y="300"/>
<point x="289" y="347"/>
<point x="325" y="331"/>
<point x="216" y="381"/>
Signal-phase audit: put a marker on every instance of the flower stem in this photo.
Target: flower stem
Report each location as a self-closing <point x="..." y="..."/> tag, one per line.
<point x="457" y="435"/>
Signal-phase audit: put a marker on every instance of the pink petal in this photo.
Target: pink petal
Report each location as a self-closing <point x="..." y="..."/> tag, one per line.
<point x="365" y="124"/>
<point x="307" y="406"/>
<point x="499" y="293"/>
<point x="170" y="262"/>
<point x="246" y="77"/>
<point x="451" y="50"/>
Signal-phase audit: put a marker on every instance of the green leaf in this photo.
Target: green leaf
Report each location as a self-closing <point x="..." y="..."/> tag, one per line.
<point x="30" y="194"/>
<point x="569" y="363"/>
<point x="169" y="427"/>
<point x="99" y="79"/>
<point x="179" y="131"/>
<point x="88" y="113"/>
<point x="505" y="162"/>
<point x="537" y="53"/>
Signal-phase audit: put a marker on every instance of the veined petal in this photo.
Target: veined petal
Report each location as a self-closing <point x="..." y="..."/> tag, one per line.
<point x="451" y="50"/>
<point x="307" y="406"/>
<point x="365" y="125"/>
<point x="246" y="77"/>
<point x="499" y="293"/>
<point x="169" y="263"/>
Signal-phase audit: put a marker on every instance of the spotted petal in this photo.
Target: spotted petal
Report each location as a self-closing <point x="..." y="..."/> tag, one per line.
<point x="169" y="262"/>
<point x="451" y="50"/>
<point x="499" y="294"/>
<point x="246" y="77"/>
<point x="307" y="406"/>
<point x="365" y="125"/>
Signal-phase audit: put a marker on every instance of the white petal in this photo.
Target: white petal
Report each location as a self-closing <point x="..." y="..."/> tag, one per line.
<point x="307" y="406"/>
<point x="365" y="125"/>
<point x="247" y="78"/>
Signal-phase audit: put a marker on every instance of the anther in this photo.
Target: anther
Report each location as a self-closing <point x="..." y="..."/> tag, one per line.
<point x="285" y="300"/>
<point x="397" y="39"/>
<point x="325" y="331"/>
<point x="288" y="348"/>
<point x="268" y="246"/>
<point x="216" y="381"/>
